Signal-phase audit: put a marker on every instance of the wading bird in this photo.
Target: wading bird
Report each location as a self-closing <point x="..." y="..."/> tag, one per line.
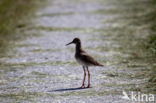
<point x="84" y="59"/>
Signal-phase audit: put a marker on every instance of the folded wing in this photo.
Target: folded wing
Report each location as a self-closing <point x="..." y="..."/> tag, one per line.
<point x="89" y="60"/>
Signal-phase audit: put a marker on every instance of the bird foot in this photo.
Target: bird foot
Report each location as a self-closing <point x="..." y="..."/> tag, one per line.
<point x="83" y="86"/>
<point x="88" y="86"/>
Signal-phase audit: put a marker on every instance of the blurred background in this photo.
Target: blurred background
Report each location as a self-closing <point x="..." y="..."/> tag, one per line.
<point x="35" y="63"/>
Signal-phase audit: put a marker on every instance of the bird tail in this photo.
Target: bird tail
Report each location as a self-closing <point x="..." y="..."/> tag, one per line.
<point x="98" y="64"/>
<point x="101" y="65"/>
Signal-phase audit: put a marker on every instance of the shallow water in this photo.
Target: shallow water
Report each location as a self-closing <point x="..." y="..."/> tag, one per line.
<point x="40" y="68"/>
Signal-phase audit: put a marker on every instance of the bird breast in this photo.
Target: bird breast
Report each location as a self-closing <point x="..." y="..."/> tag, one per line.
<point x="80" y="61"/>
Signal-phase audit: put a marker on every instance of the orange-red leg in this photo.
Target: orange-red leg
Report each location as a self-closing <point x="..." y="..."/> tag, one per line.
<point x="88" y="78"/>
<point x="83" y="82"/>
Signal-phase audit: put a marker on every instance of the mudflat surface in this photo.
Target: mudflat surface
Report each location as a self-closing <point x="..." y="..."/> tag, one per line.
<point x="41" y="69"/>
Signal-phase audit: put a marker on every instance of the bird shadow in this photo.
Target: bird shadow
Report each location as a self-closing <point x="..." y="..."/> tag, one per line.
<point x="68" y="89"/>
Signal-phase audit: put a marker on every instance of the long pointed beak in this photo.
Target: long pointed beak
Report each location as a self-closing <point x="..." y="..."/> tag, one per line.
<point x="69" y="43"/>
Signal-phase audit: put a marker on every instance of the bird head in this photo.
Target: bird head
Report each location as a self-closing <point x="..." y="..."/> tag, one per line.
<point x="75" y="41"/>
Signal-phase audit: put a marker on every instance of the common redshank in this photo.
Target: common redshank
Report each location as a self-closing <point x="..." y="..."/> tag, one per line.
<point x="84" y="59"/>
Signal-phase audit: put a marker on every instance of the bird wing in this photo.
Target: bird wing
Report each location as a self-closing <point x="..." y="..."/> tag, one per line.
<point x="89" y="59"/>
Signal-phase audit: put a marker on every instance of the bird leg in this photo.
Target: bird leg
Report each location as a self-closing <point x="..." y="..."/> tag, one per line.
<point x="83" y="83"/>
<point x="88" y="77"/>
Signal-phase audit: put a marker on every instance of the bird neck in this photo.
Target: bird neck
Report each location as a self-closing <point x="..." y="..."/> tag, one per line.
<point x="78" y="47"/>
